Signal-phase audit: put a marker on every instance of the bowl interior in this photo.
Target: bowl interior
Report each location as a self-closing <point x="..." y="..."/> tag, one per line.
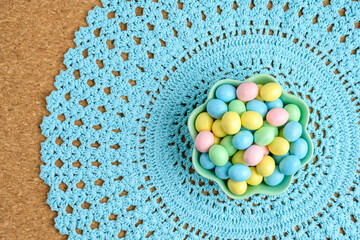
<point x="261" y="188"/>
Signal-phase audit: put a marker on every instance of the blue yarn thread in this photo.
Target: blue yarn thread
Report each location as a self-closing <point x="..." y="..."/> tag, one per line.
<point x="119" y="164"/>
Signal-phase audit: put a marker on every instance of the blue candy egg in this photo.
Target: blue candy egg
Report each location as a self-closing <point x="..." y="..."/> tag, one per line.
<point x="290" y="165"/>
<point x="223" y="171"/>
<point x="257" y="106"/>
<point x="242" y="140"/>
<point x="278" y="158"/>
<point x="292" y="131"/>
<point x="275" y="178"/>
<point x="239" y="172"/>
<point x="299" y="148"/>
<point x="274" y="104"/>
<point x="206" y="162"/>
<point x="216" y="108"/>
<point x="226" y="93"/>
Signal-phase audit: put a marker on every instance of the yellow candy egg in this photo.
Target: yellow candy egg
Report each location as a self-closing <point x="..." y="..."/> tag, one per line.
<point x="237" y="188"/>
<point x="279" y="146"/>
<point x="251" y="120"/>
<point x="231" y="122"/>
<point x="238" y="158"/>
<point x="258" y="97"/>
<point x="217" y="129"/>
<point x="266" y="167"/>
<point x="217" y="140"/>
<point x="255" y="178"/>
<point x="203" y="122"/>
<point x="271" y="91"/>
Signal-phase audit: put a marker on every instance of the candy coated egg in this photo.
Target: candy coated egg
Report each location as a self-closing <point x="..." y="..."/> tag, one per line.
<point x="222" y="171"/>
<point x="216" y="108"/>
<point x="275" y="178"/>
<point x="237" y="188"/>
<point x="203" y="122"/>
<point x="238" y="157"/>
<point x="226" y="93"/>
<point x="264" y="136"/>
<point x="278" y="158"/>
<point x="217" y="140"/>
<point x="205" y="161"/>
<point x="203" y="141"/>
<point x="226" y="142"/>
<point x="255" y="177"/>
<point x="258" y="97"/>
<point x="265" y="150"/>
<point x="271" y="91"/>
<point x="239" y="172"/>
<point x="292" y="131"/>
<point x="257" y="106"/>
<point x="253" y="155"/>
<point x="218" y="155"/>
<point x="299" y="148"/>
<point x="277" y="117"/>
<point x="247" y="91"/>
<point x="237" y="106"/>
<point x="231" y="122"/>
<point x="242" y="140"/>
<point x="251" y="120"/>
<point x="275" y="104"/>
<point x="217" y="128"/>
<point x="266" y="167"/>
<point x="294" y="112"/>
<point x="274" y="129"/>
<point x="290" y="165"/>
<point x="279" y="146"/>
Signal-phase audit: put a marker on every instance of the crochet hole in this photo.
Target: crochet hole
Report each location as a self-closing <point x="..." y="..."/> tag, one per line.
<point x="69" y="209"/>
<point x="121" y="115"/>
<point x="315" y="19"/>
<point x="300" y="13"/>
<point x="104" y="200"/>
<point x="76" y="73"/>
<point x="123" y="26"/>
<point x="218" y="10"/>
<point x="354" y="51"/>
<point x="122" y="234"/>
<point x="85" y="53"/>
<point x="125" y="56"/>
<point x="150" y="26"/>
<point x="188" y="23"/>
<point x="326" y="2"/>
<point x="97" y="32"/>
<point x="97" y="127"/>
<point x="343" y="38"/>
<point x="80" y="185"/>
<point x="329" y="29"/>
<point x="61" y="117"/>
<point x="100" y="64"/>
<point x="78" y="231"/>
<point x="102" y="109"/>
<point x="83" y="103"/>
<point x="149" y="234"/>
<point x="94" y="224"/>
<point x="125" y="98"/>
<point x="76" y="164"/>
<point x="342" y="231"/>
<point x="76" y="143"/>
<point x="99" y="182"/>
<point x="137" y="40"/>
<point x="96" y="163"/>
<point x="59" y="141"/>
<point x="150" y="55"/>
<point x="175" y="33"/>
<point x="116" y="73"/>
<point x="79" y="123"/>
<point x="112" y="217"/>
<point x="59" y="163"/>
<point x="63" y="187"/>
<point x="115" y="146"/>
<point x="342" y="12"/>
<point x="123" y="193"/>
<point x="130" y="208"/>
<point x="235" y="6"/>
<point x="286" y="7"/>
<point x="95" y="145"/>
<point x="110" y="44"/>
<point x="165" y="14"/>
<point x="140" y="68"/>
<point x="269" y="6"/>
<point x="352" y="218"/>
<point x="118" y="179"/>
<point x="180" y="5"/>
<point x="162" y="43"/>
<point x="139" y="11"/>
<point x="90" y="83"/>
<point x="67" y="96"/>
<point x="111" y="15"/>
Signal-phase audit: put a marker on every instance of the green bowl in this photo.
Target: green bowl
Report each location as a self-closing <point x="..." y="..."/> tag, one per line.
<point x="261" y="188"/>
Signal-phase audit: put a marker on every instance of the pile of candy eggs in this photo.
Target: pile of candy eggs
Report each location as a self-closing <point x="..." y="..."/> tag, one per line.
<point x="248" y="136"/>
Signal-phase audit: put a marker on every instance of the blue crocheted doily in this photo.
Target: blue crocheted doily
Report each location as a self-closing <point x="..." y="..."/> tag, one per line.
<point x="118" y="153"/>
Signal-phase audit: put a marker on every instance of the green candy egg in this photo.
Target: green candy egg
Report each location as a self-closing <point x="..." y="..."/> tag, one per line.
<point x="294" y="112"/>
<point x="226" y="142"/>
<point x="218" y="155"/>
<point x="264" y="136"/>
<point x="274" y="129"/>
<point x="237" y="106"/>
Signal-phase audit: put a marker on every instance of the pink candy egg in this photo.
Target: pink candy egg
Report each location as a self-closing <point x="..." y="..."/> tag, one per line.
<point x="253" y="155"/>
<point x="247" y="91"/>
<point x="204" y="140"/>
<point x="265" y="150"/>
<point x="277" y="117"/>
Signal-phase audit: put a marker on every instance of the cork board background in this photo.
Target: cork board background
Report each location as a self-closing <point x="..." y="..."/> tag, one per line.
<point x="34" y="36"/>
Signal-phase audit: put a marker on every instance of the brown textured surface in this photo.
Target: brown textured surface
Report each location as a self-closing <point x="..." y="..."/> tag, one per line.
<point x="34" y="36"/>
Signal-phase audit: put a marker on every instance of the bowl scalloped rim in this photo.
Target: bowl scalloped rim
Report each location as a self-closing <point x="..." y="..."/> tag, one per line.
<point x="261" y="188"/>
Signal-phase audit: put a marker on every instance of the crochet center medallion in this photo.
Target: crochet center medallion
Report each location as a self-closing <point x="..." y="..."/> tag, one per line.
<point x="118" y="153"/>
